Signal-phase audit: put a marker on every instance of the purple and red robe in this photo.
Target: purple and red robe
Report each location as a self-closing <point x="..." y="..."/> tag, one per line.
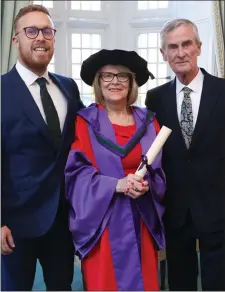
<point x="117" y="251"/>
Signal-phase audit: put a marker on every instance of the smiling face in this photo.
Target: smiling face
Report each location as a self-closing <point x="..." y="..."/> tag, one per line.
<point x="35" y="54"/>
<point x="114" y="91"/>
<point x="181" y="51"/>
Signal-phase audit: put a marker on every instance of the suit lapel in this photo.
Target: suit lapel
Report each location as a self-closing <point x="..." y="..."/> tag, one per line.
<point x="31" y="109"/>
<point x="20" y="91"/>
<point x="208" y="100"/>
<point x="70" y="107"/>
<point x="170" y="104"/>
<point x="58" y="83"/>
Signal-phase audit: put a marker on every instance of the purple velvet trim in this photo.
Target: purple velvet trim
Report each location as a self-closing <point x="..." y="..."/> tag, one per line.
<point x="123" y="241"/>
<point x="87" y="192"/>
<point x="94" y="204"/>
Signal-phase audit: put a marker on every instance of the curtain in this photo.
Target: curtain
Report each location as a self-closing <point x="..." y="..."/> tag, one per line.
<point x="219" y="36"/>
<point x="222" y="11"/>
<point x="9" y="9"/>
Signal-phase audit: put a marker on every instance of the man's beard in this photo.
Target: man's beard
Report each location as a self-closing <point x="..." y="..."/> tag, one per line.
<point x="33" y="65"/>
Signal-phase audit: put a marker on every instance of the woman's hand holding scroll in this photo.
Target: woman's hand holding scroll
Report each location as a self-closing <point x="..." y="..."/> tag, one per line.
<point x="132" y="185"/>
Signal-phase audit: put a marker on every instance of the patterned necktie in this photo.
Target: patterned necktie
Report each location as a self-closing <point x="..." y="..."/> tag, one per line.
<point x="186" y="117"/>
<point x="51" y="114"/>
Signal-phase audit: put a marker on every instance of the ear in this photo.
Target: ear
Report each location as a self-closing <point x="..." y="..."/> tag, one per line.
<point x="15" y="41"/>
<point x="163" y="54"/>
<point x="199" y="48"/>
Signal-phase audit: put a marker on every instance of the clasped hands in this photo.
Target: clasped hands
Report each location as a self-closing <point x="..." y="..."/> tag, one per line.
<point x="132" y="185"/>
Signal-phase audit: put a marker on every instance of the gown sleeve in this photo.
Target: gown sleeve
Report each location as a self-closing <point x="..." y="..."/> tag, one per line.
<point x="89" y="193"/>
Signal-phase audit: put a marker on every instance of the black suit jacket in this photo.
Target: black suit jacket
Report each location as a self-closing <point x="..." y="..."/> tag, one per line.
<point x="195" y="177"/>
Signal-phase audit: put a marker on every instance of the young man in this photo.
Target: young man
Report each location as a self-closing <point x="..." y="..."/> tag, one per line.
<point x="193" y="106"/>
<point x="38" y="113"/>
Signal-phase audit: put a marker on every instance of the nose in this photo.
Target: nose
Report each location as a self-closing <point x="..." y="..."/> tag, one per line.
<point x="115" y="80"/>
<point x="180" y="52"/>
<point x="40" y="36"/>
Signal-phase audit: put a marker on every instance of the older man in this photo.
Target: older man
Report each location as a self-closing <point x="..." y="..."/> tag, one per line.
<point x="38" y="113"/>
<point x="193" y="106"/>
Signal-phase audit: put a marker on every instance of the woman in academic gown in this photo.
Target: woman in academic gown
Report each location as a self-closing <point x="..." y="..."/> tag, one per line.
<point x="115" y="216"/>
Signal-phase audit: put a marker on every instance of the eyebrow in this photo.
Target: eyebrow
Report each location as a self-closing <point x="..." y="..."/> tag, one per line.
<point x="45" y="26"/>
<point x="187" y="42"/>
<point x="114" y="73"/>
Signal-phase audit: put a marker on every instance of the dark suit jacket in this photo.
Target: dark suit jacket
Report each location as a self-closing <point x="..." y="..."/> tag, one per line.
<point x="195" y="177"/>
<point x="32" y="170"/>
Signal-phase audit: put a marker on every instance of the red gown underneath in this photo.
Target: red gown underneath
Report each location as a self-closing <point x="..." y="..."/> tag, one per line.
<point x="97" y="266"/>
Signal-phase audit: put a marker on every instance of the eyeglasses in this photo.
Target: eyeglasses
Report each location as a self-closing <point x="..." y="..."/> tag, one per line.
<point x="121" y="77"/>
<point x="33" y="32"/>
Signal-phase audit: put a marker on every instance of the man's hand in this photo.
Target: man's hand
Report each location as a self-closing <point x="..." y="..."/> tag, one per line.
<point x="7" y="243"/>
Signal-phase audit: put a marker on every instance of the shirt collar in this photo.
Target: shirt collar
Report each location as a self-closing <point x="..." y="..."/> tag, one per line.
<point x="28" y="76"/>
<point x="195" y="85"/>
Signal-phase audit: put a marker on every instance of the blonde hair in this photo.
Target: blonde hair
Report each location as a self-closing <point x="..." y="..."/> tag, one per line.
<point x="173" y="24"/>
<point x="132" y="93"/>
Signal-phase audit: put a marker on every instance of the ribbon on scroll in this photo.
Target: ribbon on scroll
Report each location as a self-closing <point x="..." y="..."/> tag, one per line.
<point x="153" y="151"/>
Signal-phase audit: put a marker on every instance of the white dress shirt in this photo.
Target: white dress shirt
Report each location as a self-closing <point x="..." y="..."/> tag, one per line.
<point x="196" y="86"/>
<point x="58" y="99"/>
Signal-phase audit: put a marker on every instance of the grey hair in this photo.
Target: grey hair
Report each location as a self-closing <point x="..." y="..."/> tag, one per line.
<point x="175" y="23"/>
<point x="132" y="93"/>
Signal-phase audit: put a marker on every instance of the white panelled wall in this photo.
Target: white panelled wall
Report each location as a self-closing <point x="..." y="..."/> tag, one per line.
<point x="84" y="27"/>
<point x="200" y="13"/>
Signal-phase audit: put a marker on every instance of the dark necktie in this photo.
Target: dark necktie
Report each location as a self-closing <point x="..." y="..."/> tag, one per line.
<point x="51" y="114"/>
<point x="186" y="117"/>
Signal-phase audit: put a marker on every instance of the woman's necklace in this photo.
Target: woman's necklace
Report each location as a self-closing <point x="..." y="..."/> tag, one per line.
<point x="122" y="121"/>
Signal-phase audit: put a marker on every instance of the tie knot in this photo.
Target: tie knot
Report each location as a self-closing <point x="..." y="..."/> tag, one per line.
<point x="41" y="81"/>
<point x="187" y="90"/>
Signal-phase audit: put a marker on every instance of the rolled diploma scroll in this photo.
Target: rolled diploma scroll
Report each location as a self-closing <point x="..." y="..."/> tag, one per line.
<point x="154" y="149"/>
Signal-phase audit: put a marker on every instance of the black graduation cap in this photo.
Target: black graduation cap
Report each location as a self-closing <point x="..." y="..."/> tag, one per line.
<point x="129" y="59"/>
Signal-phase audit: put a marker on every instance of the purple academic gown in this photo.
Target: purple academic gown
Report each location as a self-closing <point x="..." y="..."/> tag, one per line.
<point x="94" y="205"/>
